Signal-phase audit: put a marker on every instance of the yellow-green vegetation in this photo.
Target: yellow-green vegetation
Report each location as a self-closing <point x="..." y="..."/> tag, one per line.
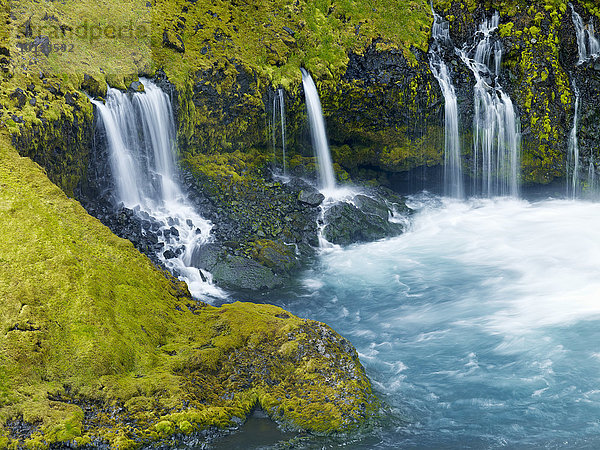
<point x="539" y="83"/>
<point x="98" y="345"/>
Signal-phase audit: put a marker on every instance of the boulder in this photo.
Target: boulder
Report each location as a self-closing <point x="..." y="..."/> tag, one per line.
<point x="346" y="224"/>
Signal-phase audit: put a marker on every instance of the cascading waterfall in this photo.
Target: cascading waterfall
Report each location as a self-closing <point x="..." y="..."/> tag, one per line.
<point x="591" y="180"/>
<point x="496" y="128"/>
<point x="140" y="132"/>
<point x="317" y="132"/>
<point x="279" y="108"/>
<point x="587" y="43"/>
<point x="573" y="153"/>
<point x="453" y="180"/>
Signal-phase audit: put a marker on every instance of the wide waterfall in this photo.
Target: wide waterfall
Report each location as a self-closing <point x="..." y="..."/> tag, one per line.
<point x="140" y="132"/>
<point x="496" y="127"/>
<point x="453" y="179"/>
<point x="587" y="43"/>
<point x="279" y="125"/>
<point x="317" y="132"/>
<point x="573" y="153"/>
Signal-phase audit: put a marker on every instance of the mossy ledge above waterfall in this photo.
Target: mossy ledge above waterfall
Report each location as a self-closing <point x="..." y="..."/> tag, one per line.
<point x="99" y="347"/>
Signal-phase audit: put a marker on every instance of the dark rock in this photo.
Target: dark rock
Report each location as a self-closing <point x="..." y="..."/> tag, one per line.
<point x="137" y="86"/>
<point x="311" y="197"/>
<point x="169" y="254"/>
<point x="70" y="99"/>
<point x="371" y="206"/>
<point x="42" y="44"/>
<point x="346" y="224"/>
<point x="92" y="86"/>
<point x="237" y="272"/>
<point x="277" y="256"/>
<point x="289" y="31"/>
<point x="19" y="96"/>
<point x="175" y="43"/>
<point x="206" y="257"/>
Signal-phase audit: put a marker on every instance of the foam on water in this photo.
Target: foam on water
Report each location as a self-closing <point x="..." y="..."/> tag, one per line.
<point x="479" y="326"/>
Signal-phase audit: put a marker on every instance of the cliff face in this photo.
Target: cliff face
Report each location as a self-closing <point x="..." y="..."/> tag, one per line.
<point x="222" y="62"/>
<point x="383" y="107"/>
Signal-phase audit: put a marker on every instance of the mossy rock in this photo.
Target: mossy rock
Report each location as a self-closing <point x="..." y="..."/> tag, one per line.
<point x="98" y="346"/>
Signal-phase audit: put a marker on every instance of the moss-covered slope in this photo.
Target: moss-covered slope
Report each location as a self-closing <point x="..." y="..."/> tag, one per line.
<point x="97" y="345"/>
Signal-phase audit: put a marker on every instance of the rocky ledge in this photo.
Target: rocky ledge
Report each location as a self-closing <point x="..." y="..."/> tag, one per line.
<point x="100" y="348"/>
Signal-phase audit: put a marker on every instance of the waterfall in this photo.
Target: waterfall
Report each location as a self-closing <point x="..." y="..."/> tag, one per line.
<point x="140" y="132"/>
<point x="573" y="153"/>
<point x="317" y="132"/>
<point x="587" y="43"/>
<point x="279" y="108"/>
<point x="496" y="128"/>
<point x="591" y="181"/>
<point x="452" y="152"/>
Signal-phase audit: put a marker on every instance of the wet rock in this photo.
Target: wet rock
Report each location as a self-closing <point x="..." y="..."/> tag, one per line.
<point x="371" y="206"/>
<point x="310" y="197"/>
<point x="346" y="224"/>
<point x="169" y="254"/>
<point x="136" y="86"/>
<point x="237" y="272"/>
<point x="276" y="255"/>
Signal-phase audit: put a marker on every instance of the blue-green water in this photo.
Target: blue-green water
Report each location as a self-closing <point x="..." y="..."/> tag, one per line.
<point x="480" y="327"/>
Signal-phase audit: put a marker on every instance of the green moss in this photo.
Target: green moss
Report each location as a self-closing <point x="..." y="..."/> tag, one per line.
<point x="88" y="322"/>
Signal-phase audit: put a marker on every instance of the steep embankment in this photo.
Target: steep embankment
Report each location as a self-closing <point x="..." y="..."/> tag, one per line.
<point x="97" y="345"/>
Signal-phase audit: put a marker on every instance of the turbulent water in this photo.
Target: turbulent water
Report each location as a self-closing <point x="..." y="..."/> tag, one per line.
<point x="480" y="327"/>
<point x="140" y="130"/>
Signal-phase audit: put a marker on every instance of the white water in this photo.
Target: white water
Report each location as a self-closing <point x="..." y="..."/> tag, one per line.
<point x="140" y="131"/>
<point x="479" y="326"/>
<point x="573" y="188"/>
<point x="453" y="179"/>
<point x="496" y="127"/>
<point x="318" y="133"/>
<point x="279" y="109"/>
<point x="587" y="43"/>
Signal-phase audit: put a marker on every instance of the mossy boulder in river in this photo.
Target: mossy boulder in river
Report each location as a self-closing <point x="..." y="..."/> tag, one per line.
<point x="99" y="347"/>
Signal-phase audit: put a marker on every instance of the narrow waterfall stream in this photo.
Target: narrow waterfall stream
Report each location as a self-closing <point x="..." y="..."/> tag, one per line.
<point x="587" y="43"/>
<point x="496" y="127"/>
<point x="318" y="133"/>
<point x="140" y="131"/>
<point x="278" y="128"/>
<point x="453" y="178"/>
<point x="573" y="187"/>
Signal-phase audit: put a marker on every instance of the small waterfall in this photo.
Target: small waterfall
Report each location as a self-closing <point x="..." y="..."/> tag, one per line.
<point x="592" y="184"/>
<point x="140" y="131"/>
<point x="279" y="108"/>
<point x="317" y="132"/>
<point x="573" y="153"/>
<point x="496" y="128"/>
<point x="587" y="43"/>
<point x="453" y="182"/>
